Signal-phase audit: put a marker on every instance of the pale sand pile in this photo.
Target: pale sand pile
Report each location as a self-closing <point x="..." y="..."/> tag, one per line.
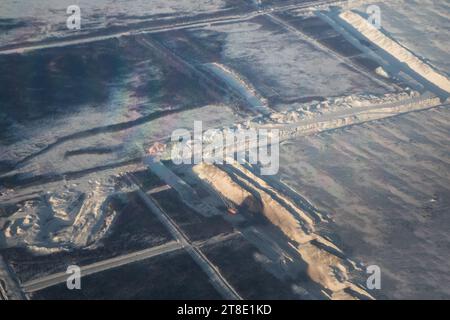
<point x="253" y="193"/>
<point x="394" y="49"/>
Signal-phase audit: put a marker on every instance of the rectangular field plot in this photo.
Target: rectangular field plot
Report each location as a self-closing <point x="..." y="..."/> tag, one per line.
<point x="281" y="65"/>
<point x="95" y="105"/>
<point x="47" y="19"/>
<point x="242" y="265"/>
<point x="421" y="26"/>
<point x="196" y="226"/>
<point x="168" y="276"/>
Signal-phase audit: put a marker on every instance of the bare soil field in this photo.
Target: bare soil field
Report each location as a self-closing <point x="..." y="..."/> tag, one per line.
<point x="243" y="265"/>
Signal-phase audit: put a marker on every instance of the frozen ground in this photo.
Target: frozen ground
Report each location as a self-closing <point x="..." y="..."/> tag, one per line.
<point x="62" y="122"/>
<point x="85" y="124"/>
<point x="104" y="149"/>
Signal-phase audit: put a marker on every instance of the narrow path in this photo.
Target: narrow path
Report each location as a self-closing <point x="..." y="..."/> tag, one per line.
<point x="217" y="280"/>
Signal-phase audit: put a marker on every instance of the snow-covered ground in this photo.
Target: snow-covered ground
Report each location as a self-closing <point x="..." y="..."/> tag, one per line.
<point x="63" y="217"/>
<point x="25" y="20"/>
<point x="244" y="88"/>
<point x="310" y="110"/>
<point x="124" y="145"/>
<point x="89" y="142"/>
<point x="282" y="64"/>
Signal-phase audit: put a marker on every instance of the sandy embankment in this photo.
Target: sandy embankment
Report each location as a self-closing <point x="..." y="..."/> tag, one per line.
<point x="392" y="48"/>
<point x="348" y="116"/>
<point x="244" y="189"/>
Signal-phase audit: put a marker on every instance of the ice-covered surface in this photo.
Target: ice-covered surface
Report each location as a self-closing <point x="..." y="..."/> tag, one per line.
<point x="423" y="26"/>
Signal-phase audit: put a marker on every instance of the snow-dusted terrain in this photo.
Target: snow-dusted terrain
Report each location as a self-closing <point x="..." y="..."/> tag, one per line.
<point x="37" y="20"/>
<point x="282" y="64"/>
<point x="364" y="166"/>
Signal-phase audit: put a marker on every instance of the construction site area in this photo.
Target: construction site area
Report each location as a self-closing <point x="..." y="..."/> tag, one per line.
<point x="87" y="179"/>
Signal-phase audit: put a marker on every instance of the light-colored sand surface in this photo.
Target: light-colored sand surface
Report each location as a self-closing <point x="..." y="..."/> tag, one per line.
<point x="327" y="269"/>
